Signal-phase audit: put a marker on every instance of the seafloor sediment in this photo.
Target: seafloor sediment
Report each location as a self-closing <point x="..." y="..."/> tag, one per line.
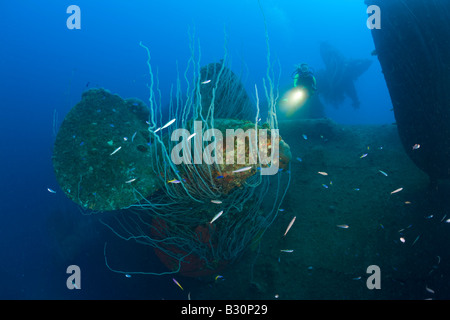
<point x="399" y="232"/>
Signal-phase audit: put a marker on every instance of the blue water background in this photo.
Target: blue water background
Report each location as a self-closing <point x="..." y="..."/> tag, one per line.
<point x="46" y="67"/>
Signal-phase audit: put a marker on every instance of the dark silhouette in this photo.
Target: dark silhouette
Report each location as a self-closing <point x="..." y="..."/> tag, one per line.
<point x="337" y="80"/>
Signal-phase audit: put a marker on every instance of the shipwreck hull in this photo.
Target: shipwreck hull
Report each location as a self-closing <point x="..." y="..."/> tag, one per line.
<point x="413" y="47"/>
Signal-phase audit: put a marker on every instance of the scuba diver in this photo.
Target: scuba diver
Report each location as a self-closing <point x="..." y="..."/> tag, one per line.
<point x="301" y="101"/>
<point x="304" y="78"/>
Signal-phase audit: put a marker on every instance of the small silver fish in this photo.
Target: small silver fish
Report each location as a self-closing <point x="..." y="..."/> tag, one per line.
<point x="382" y="172"/>
<point x="397" y="190"/>
<point x="287" y="250"/>
<point x="134" y="136"/>
<point x="130" y="181"/>
<point x="342" y="226"/>
<point x="216" y="201"/>
<point x="51" y="190"/>
<point x="168" y="124"/>
<point x="206" y="81"/>
<point x="290" y="225"/>
<point x="191" y="136"/>
<point x="216" y="217"/>
<point x="416" y="240"/>
<point x="115" y="151"/>
<point x="305" y="137"/>
<point x="242" y="169"/>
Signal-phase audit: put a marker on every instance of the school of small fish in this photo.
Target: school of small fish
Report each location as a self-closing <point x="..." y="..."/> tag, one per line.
<point x="402" y="237"/>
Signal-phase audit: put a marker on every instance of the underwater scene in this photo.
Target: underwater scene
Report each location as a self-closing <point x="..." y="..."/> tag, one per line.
<point x="225" y="150"/>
